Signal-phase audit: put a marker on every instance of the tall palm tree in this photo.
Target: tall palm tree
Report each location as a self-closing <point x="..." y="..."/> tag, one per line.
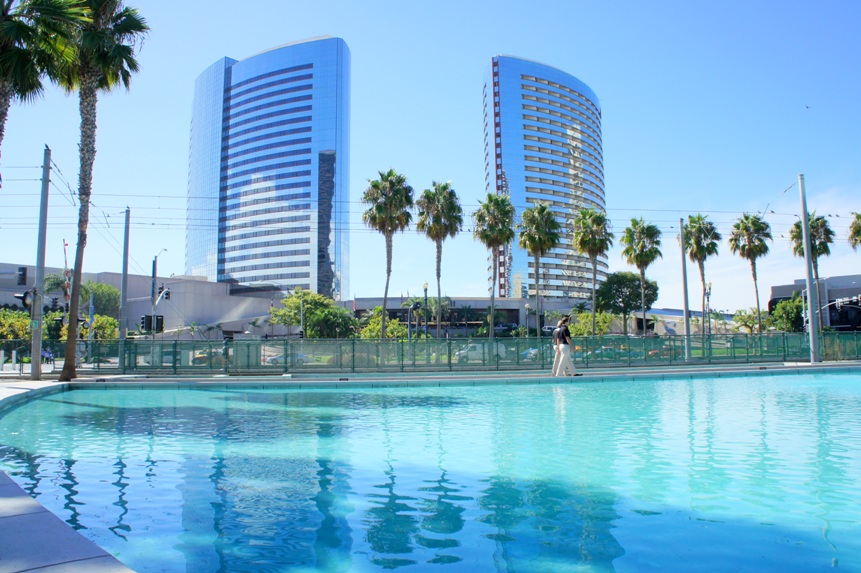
<point x="35" y="37"/>
<point x="539" y="234"/>
<point x="390" y="204"/>
<point x="440" y="217"/>
<point x="494" y="227"/>
<point x="593" y="238"/>
<point x="748" y="240"/>
<point x="642" y="243"/>
<point x="105" y="59"/>
<point x="855" y="231"/>
<point x="701" y="242"/>
<point x="821" y="237"/>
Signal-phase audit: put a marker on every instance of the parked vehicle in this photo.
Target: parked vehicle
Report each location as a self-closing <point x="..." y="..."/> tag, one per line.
<point x="480" y="352"/>
<point x="297" y="359"/>
<point x="529" y="355"/>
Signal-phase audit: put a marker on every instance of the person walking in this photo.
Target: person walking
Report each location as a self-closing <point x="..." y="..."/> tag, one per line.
<point x="556" y="353"/>
<point x="564" y="350"/>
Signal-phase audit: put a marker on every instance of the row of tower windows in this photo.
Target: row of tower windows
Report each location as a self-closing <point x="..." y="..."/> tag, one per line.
<point x="586" y="165"/>
<point x="271" y="104"/>
<point x="262" y="233"/>
<point x="570" y="146"/>
<point x="267" y="266"/>
<point x="567" y="144"/>
<point x="267" y="255"/>
<point x="284" y="133"/>
<point x="264" y="158"/>
<point x="585" y="120"/>
<point x="265" y="179"/>
<point x="228" y="136"/>
<point x="223" y="226"/>
<point x="267" y="75"/>
<point x="578" y="97"/>
<point x="576" y="177"/>
<point x="261" y="117"/>
<point x="585" y="137"/>
<point x="257" y="149"/>
<point x="233" y="99"/>
<point x="267" y="211"/>
<point x="264" y="244"/>
<point x="571" y="123"/>
<point x="581" y="154"/>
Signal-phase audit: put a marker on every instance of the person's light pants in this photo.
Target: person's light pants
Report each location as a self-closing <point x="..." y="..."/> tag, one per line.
<point x="565" y="364"/>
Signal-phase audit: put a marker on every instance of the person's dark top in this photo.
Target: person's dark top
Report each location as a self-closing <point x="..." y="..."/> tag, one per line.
<point x="564" y="334"/>
<point x="555" y="336"/>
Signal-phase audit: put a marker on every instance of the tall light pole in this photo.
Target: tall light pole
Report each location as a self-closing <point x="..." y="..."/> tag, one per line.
<point x="526" y="306"/>
<point x="687" y="312"/>
<point x="154" y="291"/>
<point x="426" y="307"/>
<point x="812" y="288"/>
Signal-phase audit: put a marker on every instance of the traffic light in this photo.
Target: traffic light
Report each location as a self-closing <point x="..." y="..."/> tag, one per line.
<point x="301" y="334"/>
<point x="146" y="323"/>
<point x="22" y="276"/>
<point x="167" y="294"/>
<point x="159" y="323"/>
<point x="26" y="299"/>
<point x="160" y="290"/>
<point x="55" y="303"/>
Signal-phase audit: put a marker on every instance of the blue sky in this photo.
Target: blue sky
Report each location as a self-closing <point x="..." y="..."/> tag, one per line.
<point x="711" y="107"/>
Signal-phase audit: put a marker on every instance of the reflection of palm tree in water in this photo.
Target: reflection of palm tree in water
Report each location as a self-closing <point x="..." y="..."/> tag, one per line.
<point x="391" y="525"/>
<point x="444" y="515"/>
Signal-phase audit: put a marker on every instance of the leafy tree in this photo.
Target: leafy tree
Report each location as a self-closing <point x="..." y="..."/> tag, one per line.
<point x="621" y="294"/>
<point x="855" y="231"/>
<point x="593" y="238"/>
<point x="105" y="328"/>
<point x="373" y="329"/>
<point x="35" y="37"/>
<point x="642" y="243"/>
<point x="323" y="318"/>
<point x="600" y="324"/>
<point x="540" y="233"/>
<point x="440" y="217"/>
<point x="821" y="238"/>
<point x="14" y="324"/>
<point x="749" y="240"/>
<point x="331" y="322"/>
<point x="494" y="227"/>
<point x="105" y="58"/>
<point x="701" y="242"/>
<point x="788" y="315"/>
<point x="750" y="320"/>
<point x="390" y="204"/>
<point x="106" y="299"/>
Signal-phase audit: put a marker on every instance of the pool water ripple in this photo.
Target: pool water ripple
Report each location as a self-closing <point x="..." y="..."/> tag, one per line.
<point x="726" y="474"/>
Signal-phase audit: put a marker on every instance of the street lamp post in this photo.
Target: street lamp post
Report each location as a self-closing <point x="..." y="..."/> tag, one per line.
<point x="427" y="326"/>
<point x="526" y="306"/>
<point x="154" y="295"/>
<point x="708" y="309"/>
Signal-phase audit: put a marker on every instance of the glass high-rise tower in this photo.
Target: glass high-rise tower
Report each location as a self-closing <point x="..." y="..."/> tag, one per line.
<point x="268" y="171"/>
<point x="542" y="143"/>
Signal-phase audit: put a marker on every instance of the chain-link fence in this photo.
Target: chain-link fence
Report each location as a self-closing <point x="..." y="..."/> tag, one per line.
<point x="281" y="356"/>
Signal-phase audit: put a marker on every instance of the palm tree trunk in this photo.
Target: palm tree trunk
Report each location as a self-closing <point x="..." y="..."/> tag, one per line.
<point x="438" y="288"/>
<point x="386" y="292"/>
<point x="756" y="292"/>
<point x="702" y="267"/>
<point x="495" y="255"/>
<point x="87" y="106"/>
<point x="537" y="302"/>
<point x="594" y="279"/>
<point x="643" y="297"/>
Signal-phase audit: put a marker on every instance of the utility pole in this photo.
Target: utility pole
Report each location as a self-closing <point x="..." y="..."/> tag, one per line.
<point x="812" y="288"/>
<point x="687" y="312"/>
<point x="39" y="285"/>
<point x="124" y="295"/>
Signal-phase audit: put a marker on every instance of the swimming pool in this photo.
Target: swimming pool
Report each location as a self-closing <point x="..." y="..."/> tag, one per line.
<point x="750" y="473"/>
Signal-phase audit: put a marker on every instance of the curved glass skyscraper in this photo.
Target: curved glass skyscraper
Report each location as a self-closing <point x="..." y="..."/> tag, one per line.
<point x="542" y="142"/>
<point x="268" y="173"/>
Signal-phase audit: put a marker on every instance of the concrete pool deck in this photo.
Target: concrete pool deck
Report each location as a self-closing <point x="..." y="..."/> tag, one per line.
<point x="32" y="539"/>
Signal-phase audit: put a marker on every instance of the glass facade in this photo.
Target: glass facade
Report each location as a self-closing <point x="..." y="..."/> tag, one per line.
<point x="268" y="194"/>
<point x="542" y="140"/>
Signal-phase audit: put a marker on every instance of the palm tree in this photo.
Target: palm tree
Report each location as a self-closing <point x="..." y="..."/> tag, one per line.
<point x="440" y="217"/>
<point x="105" y="58"/>
<point x="821" y="237"/>
<point x="34" y="39"/>
<point x="748" y="240"/>
<point x="593" y="238"/>
<point x="539" y="234"/>
<point x="494" y="227"/>
<point x="701" y="242"/>
<point x="390" y="204"/>
<point x="642" y="248"/>
<point x="855" y="231"/>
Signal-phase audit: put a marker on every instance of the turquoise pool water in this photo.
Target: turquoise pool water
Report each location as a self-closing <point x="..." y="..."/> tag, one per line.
<point x="754" y="473"/>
